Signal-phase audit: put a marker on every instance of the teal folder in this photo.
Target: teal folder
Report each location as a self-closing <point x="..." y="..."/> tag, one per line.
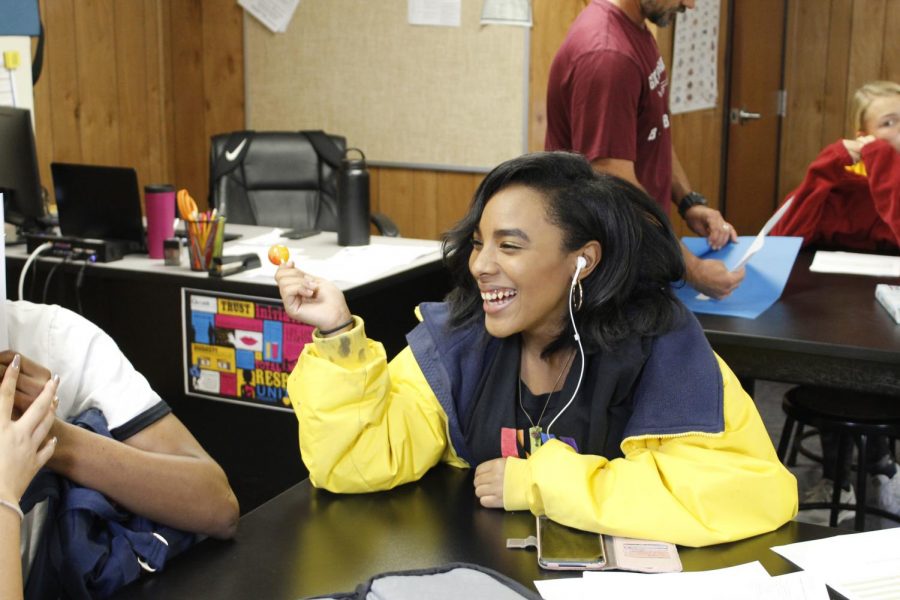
<point x="766" y="275"/>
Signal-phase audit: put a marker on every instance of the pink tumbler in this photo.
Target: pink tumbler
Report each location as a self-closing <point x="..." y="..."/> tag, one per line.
<point x="159" y="203"/>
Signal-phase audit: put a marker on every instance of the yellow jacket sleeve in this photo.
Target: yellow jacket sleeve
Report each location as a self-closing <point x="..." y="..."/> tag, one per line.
<point x="364" y="424"/>
<point x="692" y="489"/>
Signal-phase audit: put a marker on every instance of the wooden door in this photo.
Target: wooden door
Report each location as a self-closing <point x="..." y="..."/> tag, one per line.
<point x="751" y="162"/>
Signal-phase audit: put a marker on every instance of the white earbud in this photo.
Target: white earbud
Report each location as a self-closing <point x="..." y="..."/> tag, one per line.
<point x="580" y="263"/>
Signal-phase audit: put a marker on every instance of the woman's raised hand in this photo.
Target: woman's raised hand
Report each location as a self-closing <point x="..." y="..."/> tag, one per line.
<point x="24" y="448"/>
<point x="310" y="300"/>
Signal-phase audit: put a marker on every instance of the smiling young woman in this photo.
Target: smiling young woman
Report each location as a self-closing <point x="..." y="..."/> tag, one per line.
<point x="561" y="366"/>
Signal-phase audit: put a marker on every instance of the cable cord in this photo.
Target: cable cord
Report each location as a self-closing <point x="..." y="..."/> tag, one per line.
<point x="580" y="350"/>
<point x="31" y="257"/>
<point x="79" y="279"/>
<point x="50" y="277"/>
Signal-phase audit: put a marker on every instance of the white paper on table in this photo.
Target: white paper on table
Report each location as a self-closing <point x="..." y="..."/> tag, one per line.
<point x="851" y="564"/>
<point x="442" y="13"/>
<point x="856" y="263"/>
<point x="742" y="581"/>
<point x="506" y="12"/>
<point x="571" y="588"/>
<point x="749" y="581"/>
<point x="274" y="14"/>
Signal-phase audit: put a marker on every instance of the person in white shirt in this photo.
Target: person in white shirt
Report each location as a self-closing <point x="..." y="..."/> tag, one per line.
<point x="152" y="465"/>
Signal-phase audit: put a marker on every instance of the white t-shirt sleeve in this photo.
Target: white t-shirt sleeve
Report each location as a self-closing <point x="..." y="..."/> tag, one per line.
<point x="93" y="371"/>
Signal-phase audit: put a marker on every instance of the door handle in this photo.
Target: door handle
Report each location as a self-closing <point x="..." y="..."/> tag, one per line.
<point x="739" y="115"/>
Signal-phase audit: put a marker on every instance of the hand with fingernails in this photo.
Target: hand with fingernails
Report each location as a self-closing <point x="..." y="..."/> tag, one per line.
<point x="314" y="301"/>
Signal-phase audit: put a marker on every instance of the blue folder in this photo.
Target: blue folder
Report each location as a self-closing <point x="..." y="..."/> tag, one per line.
<point x="767" y="273"/>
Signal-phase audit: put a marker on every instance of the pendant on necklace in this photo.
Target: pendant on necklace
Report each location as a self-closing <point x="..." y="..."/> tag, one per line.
<point x="534" y="438"/>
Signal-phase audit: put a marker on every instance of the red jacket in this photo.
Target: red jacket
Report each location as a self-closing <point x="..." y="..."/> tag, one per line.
<point x="851" y="208"/>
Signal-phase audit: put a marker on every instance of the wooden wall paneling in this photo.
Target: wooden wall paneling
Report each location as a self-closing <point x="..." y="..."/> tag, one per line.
<point x="867" y="41"/>
<point x="806" y="65"/>
<point x="132" y="106"/>
<point x="397" y="197"/>
<point x="223" y="67"/>
<point x="43" y="127"/>
<point x="189" y="99"/>
<point x="835" y="92"/>
<point x="375" y="191"/>
<point x="99" y="126"/>
<point x="158" y="160"/>
<point x="552" y="19"/>
<point x="890" y="63"/>
<point x="59" y="85"/>
<point x="455" y="192"/>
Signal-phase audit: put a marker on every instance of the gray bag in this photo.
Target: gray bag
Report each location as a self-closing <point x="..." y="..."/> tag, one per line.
<point x="449" y="582"/>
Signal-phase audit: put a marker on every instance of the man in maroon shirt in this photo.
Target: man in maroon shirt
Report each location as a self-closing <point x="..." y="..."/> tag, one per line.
<point x="608" y="98"/>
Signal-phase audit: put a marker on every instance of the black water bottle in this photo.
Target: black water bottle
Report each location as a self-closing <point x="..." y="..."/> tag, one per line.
<point x="353" y="200"/>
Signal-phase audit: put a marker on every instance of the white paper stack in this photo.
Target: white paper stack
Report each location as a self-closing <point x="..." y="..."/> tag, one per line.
<point x="889" y="297"/>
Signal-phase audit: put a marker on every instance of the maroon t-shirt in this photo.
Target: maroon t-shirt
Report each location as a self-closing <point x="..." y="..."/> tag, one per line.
<point x="608" y="97"/>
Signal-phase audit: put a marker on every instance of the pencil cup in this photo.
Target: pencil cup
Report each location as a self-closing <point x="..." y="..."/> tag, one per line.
<point x="205" y="237"/>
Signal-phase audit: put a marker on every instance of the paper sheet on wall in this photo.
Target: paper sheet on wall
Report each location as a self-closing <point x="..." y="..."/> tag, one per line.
<point x="442" y="13"/>
<point x="274" y="14"/>
<point x="506" y="12"/>
<point x="15" y="83"/>
<point x="695" y="59"/>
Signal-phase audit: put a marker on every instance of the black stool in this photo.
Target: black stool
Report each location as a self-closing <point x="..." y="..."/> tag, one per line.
<point x="855" y="415"/>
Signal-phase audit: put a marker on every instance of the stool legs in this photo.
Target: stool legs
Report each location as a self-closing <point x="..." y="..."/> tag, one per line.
<point x="785" y="440"/>
<point x="861" y="476"/>
<point x="838" y="479"/>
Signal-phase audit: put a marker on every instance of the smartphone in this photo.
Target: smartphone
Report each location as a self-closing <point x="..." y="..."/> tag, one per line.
<point x="562" y="548"/>
<point x="299" y="234"/>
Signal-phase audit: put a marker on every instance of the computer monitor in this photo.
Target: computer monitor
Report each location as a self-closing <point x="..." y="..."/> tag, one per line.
<point x="20" y="179"/>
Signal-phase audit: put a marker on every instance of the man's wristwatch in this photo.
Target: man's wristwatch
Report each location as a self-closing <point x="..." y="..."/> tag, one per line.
<point x="692" y="199"/>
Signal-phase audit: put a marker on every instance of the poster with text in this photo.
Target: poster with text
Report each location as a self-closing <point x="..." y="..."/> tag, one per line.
<point x="239" y="349"/>
<point x="695" y="59"/>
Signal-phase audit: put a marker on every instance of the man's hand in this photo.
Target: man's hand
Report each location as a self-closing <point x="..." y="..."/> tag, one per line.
<point x="711" y="277"/>
<point x="31" y="381"/>
<point x="709" y="223"/>
<point x="489" y="482"/>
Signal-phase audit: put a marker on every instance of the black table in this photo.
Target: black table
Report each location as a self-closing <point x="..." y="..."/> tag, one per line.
<point x="310" y="542"/>
<point x="826" y="329"/>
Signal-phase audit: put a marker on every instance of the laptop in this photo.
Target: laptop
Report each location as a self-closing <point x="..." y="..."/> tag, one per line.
<point x="100" y="203"/>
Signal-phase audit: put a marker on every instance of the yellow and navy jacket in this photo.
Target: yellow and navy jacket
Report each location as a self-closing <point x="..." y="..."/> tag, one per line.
<point x="698" y="466"/>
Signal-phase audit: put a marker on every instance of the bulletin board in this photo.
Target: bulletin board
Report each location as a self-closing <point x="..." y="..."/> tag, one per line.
<point x="239" y="349"/>
<point x="407" y="95"/>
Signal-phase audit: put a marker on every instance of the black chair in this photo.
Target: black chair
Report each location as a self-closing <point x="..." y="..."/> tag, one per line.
<point x="854" y="415"/>
<point x="285" y="179"/>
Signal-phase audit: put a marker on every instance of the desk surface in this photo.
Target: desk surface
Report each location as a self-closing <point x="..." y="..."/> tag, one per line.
<point x="310" y="542"/>
<point x="826" y="329"/>
<point x="320" y="248"/>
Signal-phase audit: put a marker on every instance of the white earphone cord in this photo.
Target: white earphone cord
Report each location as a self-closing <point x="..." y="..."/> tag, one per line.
<point x="28" y="261"/>
<point x="580" y="347"/>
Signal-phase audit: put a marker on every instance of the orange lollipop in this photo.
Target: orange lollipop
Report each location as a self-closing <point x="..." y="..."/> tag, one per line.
<point x="279" y="254"/>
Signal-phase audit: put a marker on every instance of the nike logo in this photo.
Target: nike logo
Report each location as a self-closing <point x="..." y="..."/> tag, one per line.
<point x="234" y="153"/>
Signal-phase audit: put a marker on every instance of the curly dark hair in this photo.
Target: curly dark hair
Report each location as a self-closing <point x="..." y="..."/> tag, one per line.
<point x="629" y="293"/>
